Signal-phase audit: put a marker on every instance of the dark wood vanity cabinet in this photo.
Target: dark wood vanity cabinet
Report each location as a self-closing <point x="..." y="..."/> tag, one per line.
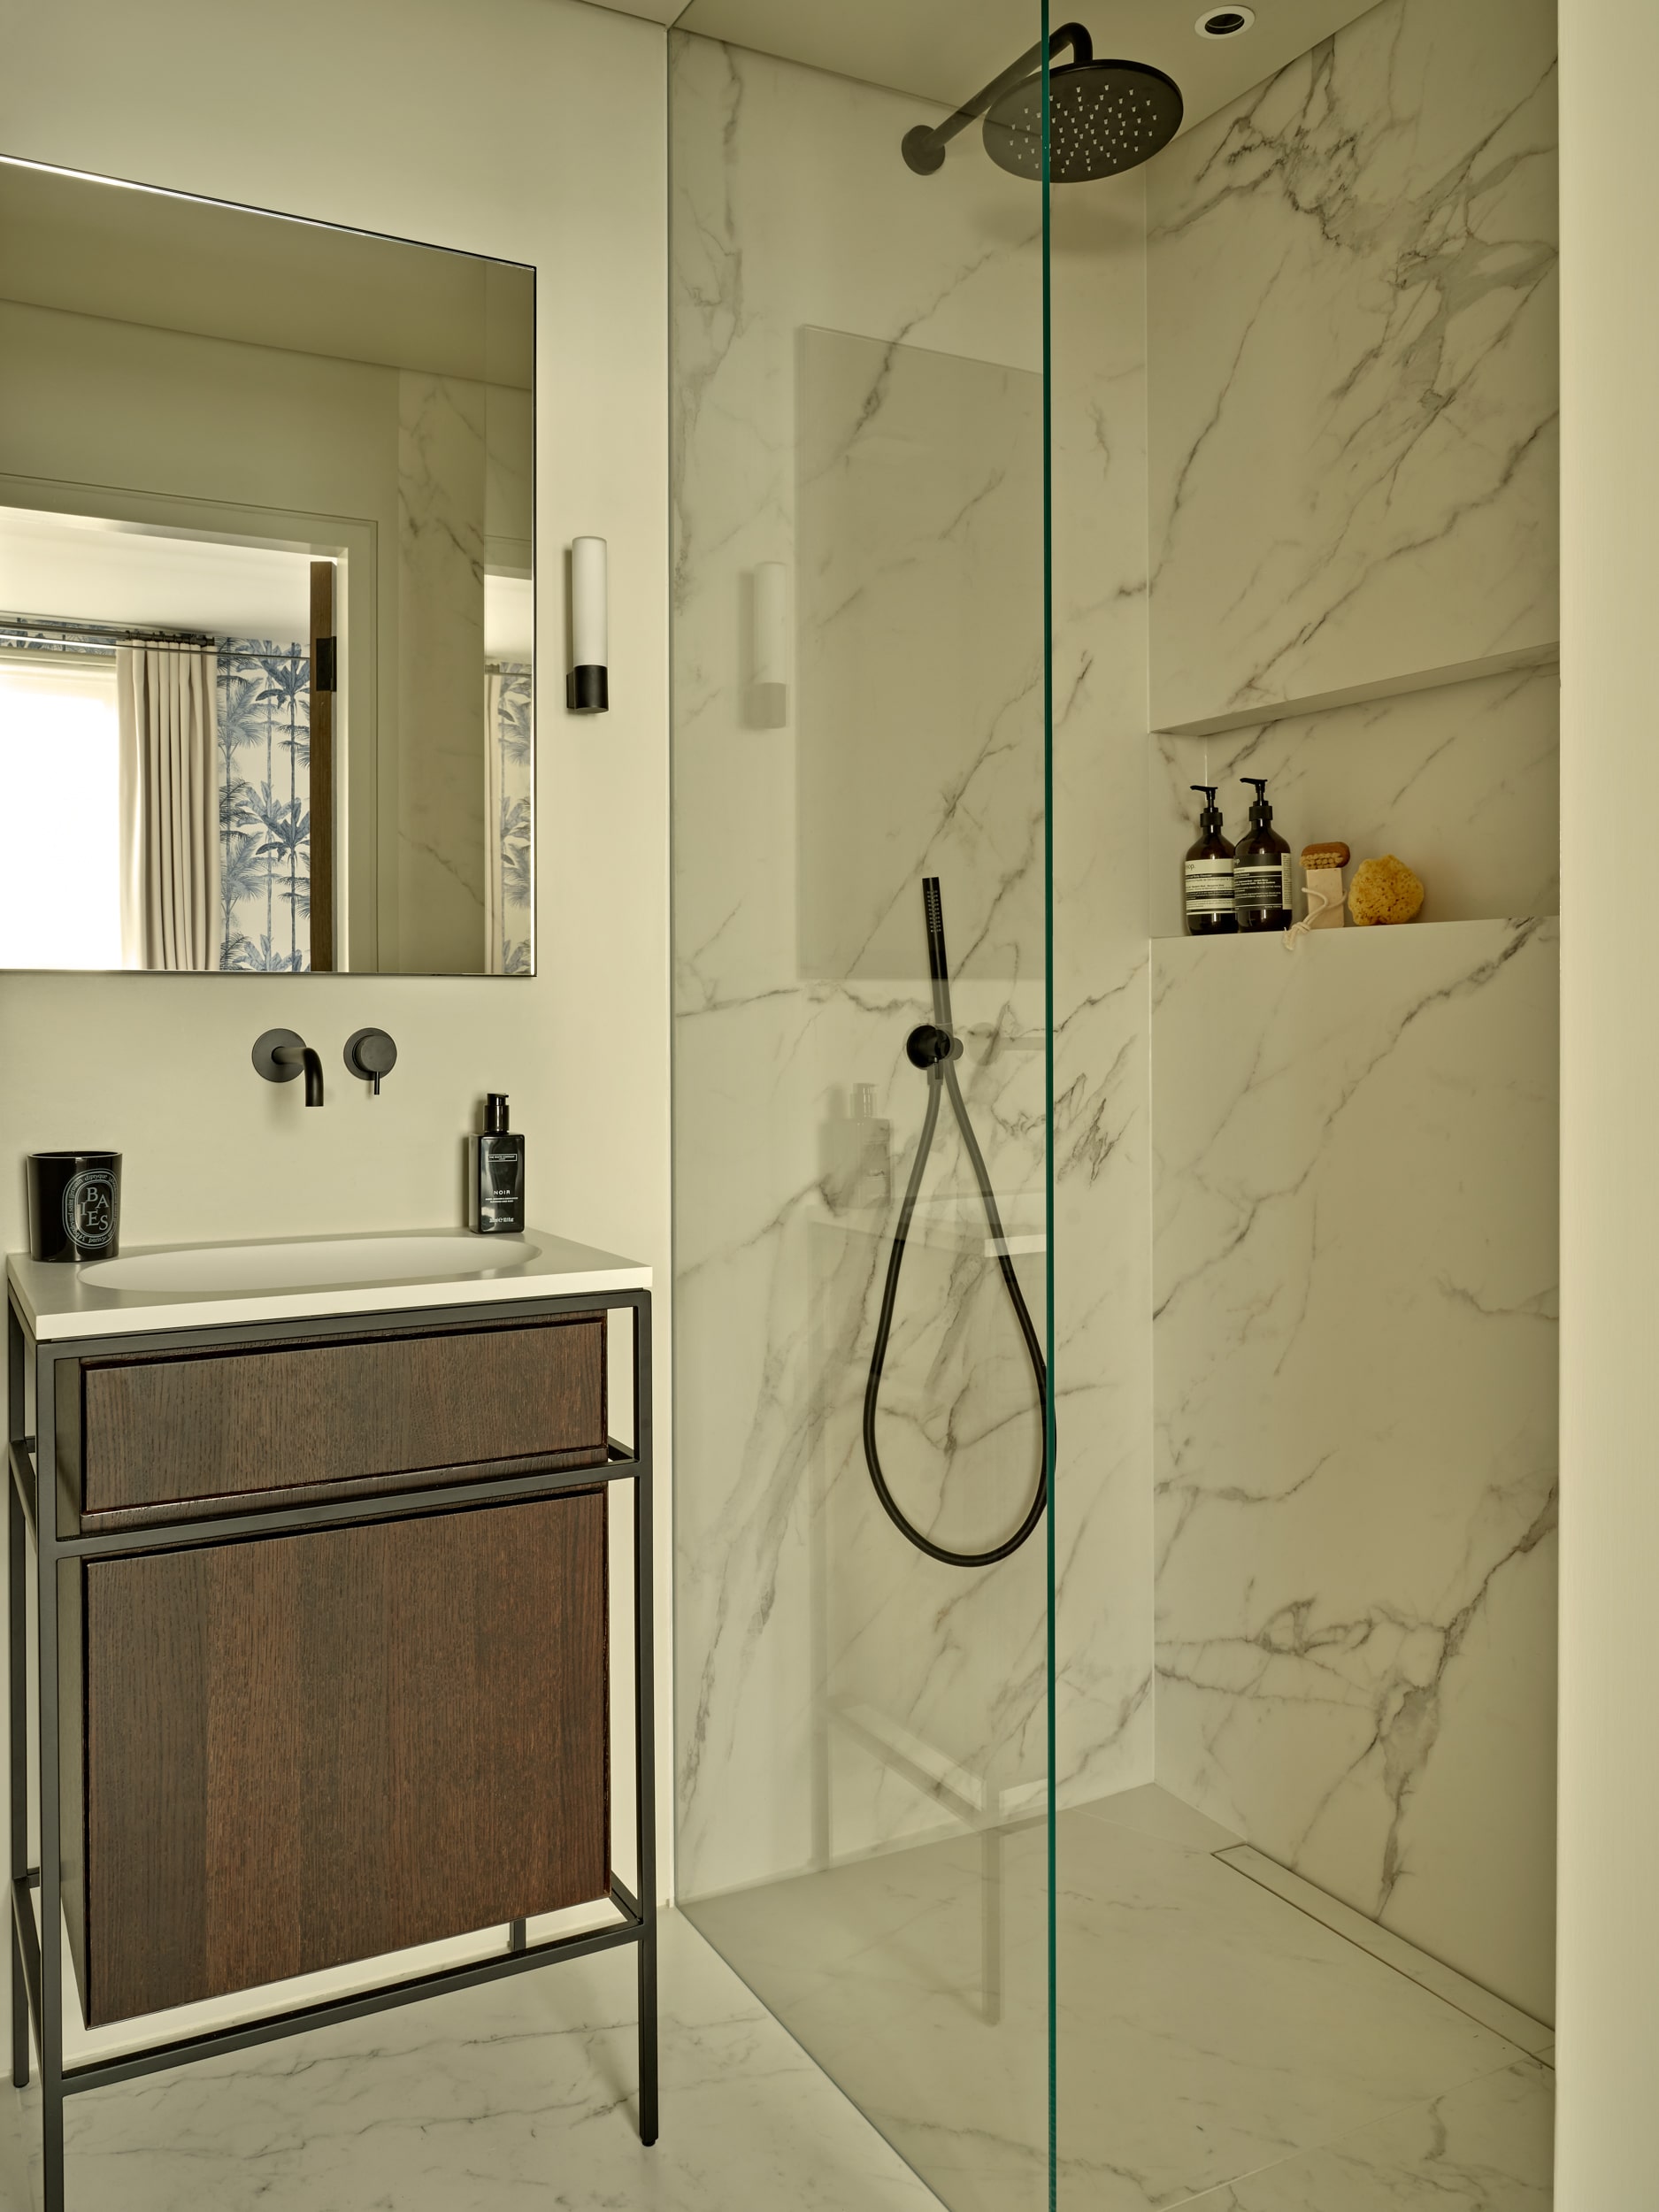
<point x="321" y="1666"/>
<point x="301" y="1750"/>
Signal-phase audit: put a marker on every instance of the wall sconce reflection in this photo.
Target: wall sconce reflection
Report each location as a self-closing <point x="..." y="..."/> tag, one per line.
<point x="769" y="647"/>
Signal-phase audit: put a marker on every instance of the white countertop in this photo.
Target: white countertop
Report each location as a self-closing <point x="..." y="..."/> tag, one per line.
<point x="61" y="1300"/>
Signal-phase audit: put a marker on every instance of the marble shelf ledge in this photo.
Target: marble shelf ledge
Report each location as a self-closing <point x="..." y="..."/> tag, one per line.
<point x="1261" y="711"/>
<point x="1351" y="930"/>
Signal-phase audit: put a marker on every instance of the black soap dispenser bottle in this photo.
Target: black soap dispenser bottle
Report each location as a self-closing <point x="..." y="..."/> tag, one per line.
<point x="1261" y="868"/>
<point x="1208" y="872"/>
<point x="497" y="1177"/>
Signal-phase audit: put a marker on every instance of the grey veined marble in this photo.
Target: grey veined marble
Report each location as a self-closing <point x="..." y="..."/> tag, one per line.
<point x="516" y="2098"/>
<point x="1353" y="393"/>
<point x="1212" y="2036"/>
<point x="1348" y="1149"/>
<point x="1356" y="1269"/>
<point x="857" y="397"/>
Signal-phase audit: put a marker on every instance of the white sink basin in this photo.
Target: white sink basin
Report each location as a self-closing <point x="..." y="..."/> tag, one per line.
<point x="198" y="1285"/>
<point x="212" y="1269"/>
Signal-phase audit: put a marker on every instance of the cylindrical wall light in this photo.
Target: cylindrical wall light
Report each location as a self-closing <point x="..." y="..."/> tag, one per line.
<point x="587" y="687"/>
<point x="769" y="703"/>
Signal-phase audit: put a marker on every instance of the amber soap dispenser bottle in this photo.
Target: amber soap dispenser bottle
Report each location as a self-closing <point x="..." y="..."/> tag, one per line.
<point x="497" y="1177"/>
<point x="1208" y="874"/>
<point x="1261" y="868"/>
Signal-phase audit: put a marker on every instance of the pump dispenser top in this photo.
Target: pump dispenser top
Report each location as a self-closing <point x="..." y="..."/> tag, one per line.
<point x="1209" y="813"/>
<point x="1261" y="813"/>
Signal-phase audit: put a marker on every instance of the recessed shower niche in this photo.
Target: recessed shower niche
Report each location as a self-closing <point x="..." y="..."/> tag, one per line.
<point x="1246" y="1759"/>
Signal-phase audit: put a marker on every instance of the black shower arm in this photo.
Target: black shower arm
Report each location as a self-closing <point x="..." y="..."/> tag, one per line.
<point x="924" y="148"/>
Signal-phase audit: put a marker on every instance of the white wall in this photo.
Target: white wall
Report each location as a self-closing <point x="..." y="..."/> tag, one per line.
<point x="530" y="129"/>
<point x="1608" y="1902"/>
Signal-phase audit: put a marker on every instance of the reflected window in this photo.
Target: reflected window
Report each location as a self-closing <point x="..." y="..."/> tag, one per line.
<point x="60" y="902"/>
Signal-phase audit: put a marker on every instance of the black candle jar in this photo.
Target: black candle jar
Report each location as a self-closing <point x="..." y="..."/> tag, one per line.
<point x="74" y="1205"/>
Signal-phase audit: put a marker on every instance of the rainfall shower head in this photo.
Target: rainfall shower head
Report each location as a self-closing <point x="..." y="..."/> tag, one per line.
<point x="1103" y="115"/>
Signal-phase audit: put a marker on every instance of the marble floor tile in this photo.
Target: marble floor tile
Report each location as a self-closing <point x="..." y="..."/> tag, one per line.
<point x="1485" y="2148"/>
<point x="1208" y="2028"/>
<point x="517" y="2096"/>
<point x="1156" y="1811"/>
<point x="1504" y="2019"/>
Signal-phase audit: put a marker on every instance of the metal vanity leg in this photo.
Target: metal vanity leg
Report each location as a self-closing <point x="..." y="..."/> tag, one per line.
<point x="647" y="2034"/>
<point x="17" y="1726"/>
<point x="52" y="2024"/>
<point x="644" y="1728"/>
<point x="514" y="1937"/>
<point x="19" y="2017"/>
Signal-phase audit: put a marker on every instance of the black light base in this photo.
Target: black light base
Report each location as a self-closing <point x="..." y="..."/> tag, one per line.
<point x="587" y="690"/>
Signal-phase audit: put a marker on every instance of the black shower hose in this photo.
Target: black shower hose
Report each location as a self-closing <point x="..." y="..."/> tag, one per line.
<point x="941" y="1076"/>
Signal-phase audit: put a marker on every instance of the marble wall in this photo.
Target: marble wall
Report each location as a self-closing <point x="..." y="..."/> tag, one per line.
<point x="1355" y="1286"/>
<point x="1351" y="328"/>
<point x="1353" y="1180"/>
<point x="1353" y="379"/>
<point x="858" y="361"/>
<point x="439" y="851"/>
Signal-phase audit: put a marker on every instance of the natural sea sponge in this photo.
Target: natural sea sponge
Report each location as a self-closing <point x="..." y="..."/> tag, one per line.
<point x="1383" y="891"/>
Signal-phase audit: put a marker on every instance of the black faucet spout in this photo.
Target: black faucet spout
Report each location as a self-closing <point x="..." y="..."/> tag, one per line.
<point x="312" y="1062"/>
<point x="280" y="1055"/>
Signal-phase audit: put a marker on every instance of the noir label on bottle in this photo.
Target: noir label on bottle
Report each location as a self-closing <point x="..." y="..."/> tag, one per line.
<point x="500" y="1183"/>
<point x="1261" y="886"/>
<point x="1210" y="887"/>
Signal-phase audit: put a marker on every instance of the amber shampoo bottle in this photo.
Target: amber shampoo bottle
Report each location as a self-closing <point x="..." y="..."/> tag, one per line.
<point x="1208" y="875"/>
<point x="1261" y="868"/>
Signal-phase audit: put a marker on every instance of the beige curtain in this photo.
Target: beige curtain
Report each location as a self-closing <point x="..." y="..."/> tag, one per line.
<point x="494" y="893"/>
<point x="170" y="855"/>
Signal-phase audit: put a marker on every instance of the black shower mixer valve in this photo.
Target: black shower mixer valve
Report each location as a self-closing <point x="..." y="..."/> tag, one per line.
<point x="927" y="1046"/>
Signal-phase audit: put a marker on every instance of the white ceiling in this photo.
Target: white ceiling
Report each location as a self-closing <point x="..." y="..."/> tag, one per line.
<point x="91" y="247"/>
<point x="83" y="568"/>
<point x="945" y="50"/>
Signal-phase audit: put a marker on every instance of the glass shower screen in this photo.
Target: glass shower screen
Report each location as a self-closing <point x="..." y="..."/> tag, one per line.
<point x="860" y="917"/>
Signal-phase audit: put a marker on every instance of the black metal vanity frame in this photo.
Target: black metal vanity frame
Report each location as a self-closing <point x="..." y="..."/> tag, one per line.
<point x="37" y="1952"/>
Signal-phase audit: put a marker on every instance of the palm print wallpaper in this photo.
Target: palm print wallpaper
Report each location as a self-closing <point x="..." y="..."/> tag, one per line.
<point x="264" y="817"/>
<point x="264" y="732"/>
<point x="511" y="734"/>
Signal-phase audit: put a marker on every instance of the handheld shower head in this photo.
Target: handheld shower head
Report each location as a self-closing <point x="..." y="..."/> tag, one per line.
<point x="938" y="966"/>
<point x="1103" y="115"/>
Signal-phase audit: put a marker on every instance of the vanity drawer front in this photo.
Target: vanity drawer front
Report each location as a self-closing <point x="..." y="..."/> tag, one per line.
<point x="159" y="1433"/>
<point x="302" y="1750"/>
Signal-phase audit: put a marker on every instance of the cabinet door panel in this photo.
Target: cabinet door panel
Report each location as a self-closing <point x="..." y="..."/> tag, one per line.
<point x="307" y="1749"/>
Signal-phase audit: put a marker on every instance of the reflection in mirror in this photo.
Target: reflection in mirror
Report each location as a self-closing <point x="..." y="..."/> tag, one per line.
<point x="266" y="598"/>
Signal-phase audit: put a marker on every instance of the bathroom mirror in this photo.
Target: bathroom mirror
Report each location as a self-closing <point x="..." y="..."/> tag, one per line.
<point x="266" y="593"/>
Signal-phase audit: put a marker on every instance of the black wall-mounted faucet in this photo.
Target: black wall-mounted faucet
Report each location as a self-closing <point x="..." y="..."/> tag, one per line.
<point x="280" y="1055"/>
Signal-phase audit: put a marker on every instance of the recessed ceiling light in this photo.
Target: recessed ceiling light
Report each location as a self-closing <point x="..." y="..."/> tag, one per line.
<point x="1223" y="22"/>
